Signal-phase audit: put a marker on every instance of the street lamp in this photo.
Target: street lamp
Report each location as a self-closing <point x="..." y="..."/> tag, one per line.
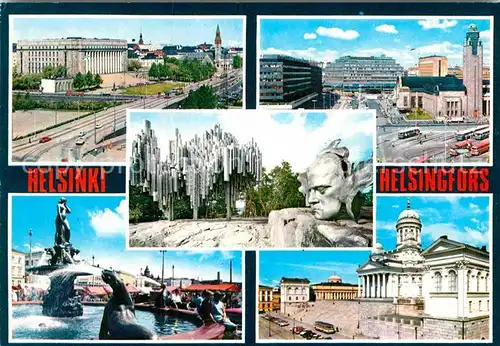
<point x="93" y="258"/>
<point x="314" y="103"/>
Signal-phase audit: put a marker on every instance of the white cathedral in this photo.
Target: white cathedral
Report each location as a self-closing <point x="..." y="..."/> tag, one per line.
<point x="451" y="279"/>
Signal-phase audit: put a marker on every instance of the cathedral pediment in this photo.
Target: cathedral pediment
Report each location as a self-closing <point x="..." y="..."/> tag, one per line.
<point x="370" y="265"/>
<point x="443" y="244"/>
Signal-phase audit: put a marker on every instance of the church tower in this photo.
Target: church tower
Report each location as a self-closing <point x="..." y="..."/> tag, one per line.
<point x="473" y="72"/>
<point x="140" y="39"/>
<point x="218" y="46"/>
<point x="409" y="229"/>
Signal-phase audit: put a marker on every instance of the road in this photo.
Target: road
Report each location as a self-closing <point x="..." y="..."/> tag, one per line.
<point x="434" y="142"/>
<point x="63" y="145"/>
<point x="278" y="332"/>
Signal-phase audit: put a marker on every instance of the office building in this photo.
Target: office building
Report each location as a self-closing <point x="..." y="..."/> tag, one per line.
<point x="433" y="66"/>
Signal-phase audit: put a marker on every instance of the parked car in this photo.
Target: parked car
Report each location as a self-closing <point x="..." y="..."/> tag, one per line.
<point x="98" y="126"/>
<point x="45" y="139"/>
<point x="80" y="141"/>
<point x="82" y="133"/>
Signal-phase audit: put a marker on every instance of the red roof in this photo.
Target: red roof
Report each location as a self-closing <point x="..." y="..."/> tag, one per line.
<point x="219" y="287"/>
<point x="98" y="290"/>
<point x="133" y="289"/>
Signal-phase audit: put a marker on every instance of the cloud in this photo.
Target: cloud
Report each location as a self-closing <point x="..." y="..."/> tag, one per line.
<point x="109" y="223"/>
<point x="396" y="206"/>
<point x="310" y="36"/>
<point x="337" y="33"/>
<point x="442" y="24"/>
<point x="477" y="236"/>
<point x="474" y="208"/>
<point x="386" y="28"/>
<point x="35" y="248"/>
<point x="485" y="35"/>
<point x="308" y="54"/>
<point x="475" y="220"/>
<point x="386" y="225"/>
<point x="340" y="268"/>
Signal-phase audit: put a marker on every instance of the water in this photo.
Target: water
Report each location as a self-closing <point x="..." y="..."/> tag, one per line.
<point x="27" y="319"/>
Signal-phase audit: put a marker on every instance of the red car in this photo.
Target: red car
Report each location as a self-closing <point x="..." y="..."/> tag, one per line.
<point x="45" y="139"/>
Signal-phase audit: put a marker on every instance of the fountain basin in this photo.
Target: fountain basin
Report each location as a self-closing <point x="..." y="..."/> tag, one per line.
<point x="28" y="323"/>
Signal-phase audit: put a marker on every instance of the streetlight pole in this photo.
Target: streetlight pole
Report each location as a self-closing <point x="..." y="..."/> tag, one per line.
<point x="163" y="265"/>
<point x="114" y="113"/>
<point x="93" y="258"/>
<point x="31" y="255"/>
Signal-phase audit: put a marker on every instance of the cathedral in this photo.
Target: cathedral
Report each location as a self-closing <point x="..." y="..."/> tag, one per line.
<point x="448" y="282"/>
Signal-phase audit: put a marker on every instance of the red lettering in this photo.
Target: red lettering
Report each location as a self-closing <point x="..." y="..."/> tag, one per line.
<point x="412" y="184"/>
<point x="42" y="180"/>
<point x="103" y="180"/>
<point x="383" y="179"/>
<point x="484" y="186"/>
<point x="462" y="180"/>
<point x="92" y="185"/>
<point x="451" y="179"/>
<point x="441" y="182"/>
<point x="51" y="180"/>
<point x="473" y="180"/>
<point x="71" y="175"/>
<point x="430" y="180"/>
<point x="80" y="180"/>
<point x="394" y="179"/>
<point x="62" y="183"/>
<point x="32" y="179"/>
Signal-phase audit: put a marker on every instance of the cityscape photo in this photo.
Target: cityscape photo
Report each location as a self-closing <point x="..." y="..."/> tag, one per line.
<point x="427" y="278"/>
<point x="243" y="179"/>
<point x="73" y="77"/>
<point x="68" y="277"/>
<point x="428" y="79"/>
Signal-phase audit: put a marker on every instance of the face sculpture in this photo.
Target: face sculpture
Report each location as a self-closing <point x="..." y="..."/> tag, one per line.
<point x="324" y="181"/>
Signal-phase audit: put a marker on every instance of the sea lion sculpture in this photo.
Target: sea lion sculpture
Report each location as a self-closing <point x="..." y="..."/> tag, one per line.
<point x="118" y="320"/>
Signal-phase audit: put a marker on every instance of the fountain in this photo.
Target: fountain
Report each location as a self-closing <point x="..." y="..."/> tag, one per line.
<point x="63" y="268"/>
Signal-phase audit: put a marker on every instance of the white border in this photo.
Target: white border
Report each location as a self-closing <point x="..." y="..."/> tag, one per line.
<point x="386" y="341"/>
<point x="13" y="17"/>
<point x="113" y="342"/>
<point x="267" y="112"/>
<point x="388" y="17"/>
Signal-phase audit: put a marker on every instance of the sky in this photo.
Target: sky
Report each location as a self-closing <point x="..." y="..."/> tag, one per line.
<point x="294" y="136"/>
<point x="327" y="40"/>
<point x="463" y="219"/>
<point x="98" y="225"/>
<point x="317" y="266"/>
<point x="181" y="31"/>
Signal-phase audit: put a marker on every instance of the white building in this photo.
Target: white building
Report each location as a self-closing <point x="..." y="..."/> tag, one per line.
<point x="17" y="268"/>
<point x="56" y="85"/>
<point x="446" y="286"/>
<point x="294" y="292"/>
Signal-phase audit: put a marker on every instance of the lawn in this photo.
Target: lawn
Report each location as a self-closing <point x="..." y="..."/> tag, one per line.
<point x="419" y="115"/>
<point x="152" y="89"/>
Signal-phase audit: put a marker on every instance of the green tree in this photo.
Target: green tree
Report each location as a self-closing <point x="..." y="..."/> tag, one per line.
<point x="89" y="79"/>
<point x="153" y="71"/>
<point x="79" y="81"/>
<point x="48" y="72"/>
<point x="60" y="71"/>
<point x="237" y="61"/>
<point x="98" y="80"/>
<point x="182" y="208"/>
<point x="142" y="207"/>
<point x="203" y="98"/>
<point x="134" y="65"/>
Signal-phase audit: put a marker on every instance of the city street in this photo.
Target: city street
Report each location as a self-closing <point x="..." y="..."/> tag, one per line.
<point x="62" y="145"/>
<point x="432" y="145"/>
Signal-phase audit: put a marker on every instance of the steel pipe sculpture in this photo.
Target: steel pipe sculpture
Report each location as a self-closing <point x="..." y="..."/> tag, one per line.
<point x="203" y="168"/>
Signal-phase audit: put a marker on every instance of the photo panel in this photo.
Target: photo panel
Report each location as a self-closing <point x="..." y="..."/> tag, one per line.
<point x="250" y="179"/>
<point x="73" y="280"/>
<point x="428" y="78"/>
<point x="428" y="279"/>
<point x="72" y="77"/>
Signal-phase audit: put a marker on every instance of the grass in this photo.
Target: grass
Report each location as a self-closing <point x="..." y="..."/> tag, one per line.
<point x="152" y="89"/>
<point x="419" y="115"/>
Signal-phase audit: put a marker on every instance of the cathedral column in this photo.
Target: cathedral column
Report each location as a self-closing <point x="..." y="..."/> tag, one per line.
<point x="389" y="285"/>
<point x="384" y="285"/>
<point x="364" y="286"/>
<point x="359" y="286"/>
<point x="372" y="286"/>
<point x="377" y="286"/>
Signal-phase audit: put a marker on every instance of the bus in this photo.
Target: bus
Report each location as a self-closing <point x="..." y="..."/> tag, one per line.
<point x="461" y="147"/>
<point x="414" y="131"/>
<point x="469" y="133"/>
<point x="480" y="147"/>
<point x="324" y="327"/>
<point x="480" y="135"/>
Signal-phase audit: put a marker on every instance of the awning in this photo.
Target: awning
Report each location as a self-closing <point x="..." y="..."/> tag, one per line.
<point x="133" y="289"/>
<point x="218" y="287"/>
<point x="98" y="290"/>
